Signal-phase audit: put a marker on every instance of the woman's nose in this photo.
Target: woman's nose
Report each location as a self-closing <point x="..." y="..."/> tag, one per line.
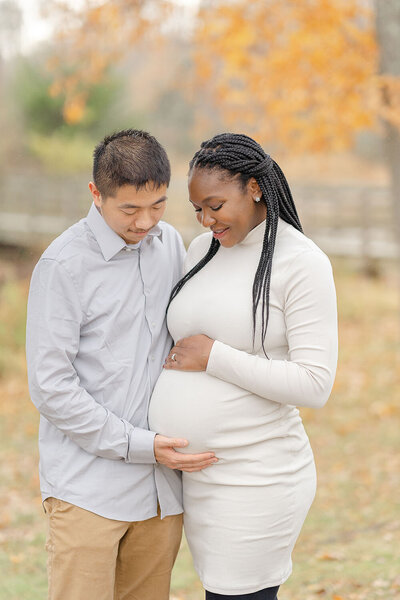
<point x="207" y="220"/>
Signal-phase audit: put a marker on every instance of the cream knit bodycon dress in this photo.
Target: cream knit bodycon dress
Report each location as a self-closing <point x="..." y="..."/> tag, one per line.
<point x="243" y="515"/>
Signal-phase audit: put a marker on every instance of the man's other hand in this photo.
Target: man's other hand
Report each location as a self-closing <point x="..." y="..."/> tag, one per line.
<point x="165" y="453"/>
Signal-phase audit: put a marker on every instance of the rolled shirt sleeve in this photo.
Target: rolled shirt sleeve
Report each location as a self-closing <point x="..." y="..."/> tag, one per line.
<point x="53" y="333"/>
<point x="306" y="377"/>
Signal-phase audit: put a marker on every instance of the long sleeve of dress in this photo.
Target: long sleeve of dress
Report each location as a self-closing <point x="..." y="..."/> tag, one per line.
<point x="53" y="333"/>
<point x="306" y="377"/>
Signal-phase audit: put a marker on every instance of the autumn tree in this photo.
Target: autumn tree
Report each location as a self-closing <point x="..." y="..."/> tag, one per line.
<point x="93" y="37"/>
<point x="300" y="75"/>
<point x="388" y="32"/>
<point x="305" y="76"/>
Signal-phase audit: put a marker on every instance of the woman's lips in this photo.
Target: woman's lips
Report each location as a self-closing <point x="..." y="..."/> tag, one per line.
<point x="219" y="233"/>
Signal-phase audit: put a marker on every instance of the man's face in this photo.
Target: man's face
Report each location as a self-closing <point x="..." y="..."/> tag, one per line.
<point x="131" y="213"/>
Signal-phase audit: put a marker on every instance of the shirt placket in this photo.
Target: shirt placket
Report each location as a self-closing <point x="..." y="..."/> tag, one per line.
<point x="149" y="309"/>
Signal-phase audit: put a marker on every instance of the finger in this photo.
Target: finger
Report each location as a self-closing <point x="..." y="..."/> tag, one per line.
<point x="178" y="363"/>
<point x="179" y="464"/>
<point x="202" y="465"/>
<point x="175" y="443"/>
<point x="196" y="458"/>
<point x="173" y="356"/>
<point x="169" y="364"/>
<point x="194" y="470"/>
<point x="191" y="469"/>
<point x="178" y="443"/>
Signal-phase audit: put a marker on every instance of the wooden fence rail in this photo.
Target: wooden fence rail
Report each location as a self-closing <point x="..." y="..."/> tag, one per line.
<point x="344" y="220"/>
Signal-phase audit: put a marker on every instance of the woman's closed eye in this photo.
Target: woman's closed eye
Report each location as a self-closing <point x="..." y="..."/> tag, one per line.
<point x="213" y="208"/>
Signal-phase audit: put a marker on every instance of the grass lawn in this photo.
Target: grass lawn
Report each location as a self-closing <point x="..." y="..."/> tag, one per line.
<point x="349" y="548"/>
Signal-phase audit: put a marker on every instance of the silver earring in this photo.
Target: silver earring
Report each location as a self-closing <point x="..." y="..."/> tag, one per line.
<point x="257" y="199"/>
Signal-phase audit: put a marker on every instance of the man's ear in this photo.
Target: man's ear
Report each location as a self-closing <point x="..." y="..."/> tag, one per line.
<point x="95" y="194"/>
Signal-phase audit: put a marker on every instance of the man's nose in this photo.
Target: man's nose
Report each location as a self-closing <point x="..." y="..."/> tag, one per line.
<point x="145" y="222"/>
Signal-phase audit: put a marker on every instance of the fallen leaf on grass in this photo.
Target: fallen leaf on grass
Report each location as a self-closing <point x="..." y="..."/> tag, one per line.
<point x="316" y="588"/>
<point x="395" y="584"/>
<point x="328" y="556"/>
<point x="383" y="409"/>
<point x="16" y="559"/>
<point x="380" y="583"/>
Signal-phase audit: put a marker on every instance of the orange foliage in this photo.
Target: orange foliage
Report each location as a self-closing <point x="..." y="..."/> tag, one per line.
<point x="300" y="75"/>
<point x="92" y="38"/>
<point x="74" y="108"/>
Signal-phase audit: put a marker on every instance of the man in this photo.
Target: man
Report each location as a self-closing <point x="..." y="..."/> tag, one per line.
<point x="96" y="342"/>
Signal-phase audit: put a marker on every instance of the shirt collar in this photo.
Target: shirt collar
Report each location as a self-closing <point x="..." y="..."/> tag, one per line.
<point x="110" y="242"/>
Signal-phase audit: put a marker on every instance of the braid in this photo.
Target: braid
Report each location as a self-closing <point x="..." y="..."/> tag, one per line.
<point x="244" y="158"/>
<point x="213" y="249"/>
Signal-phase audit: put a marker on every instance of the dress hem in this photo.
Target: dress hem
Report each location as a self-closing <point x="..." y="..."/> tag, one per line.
<point x="252" y="590"/>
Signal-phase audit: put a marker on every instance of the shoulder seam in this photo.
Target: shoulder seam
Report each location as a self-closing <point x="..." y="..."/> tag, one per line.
<point x="69" y="241"/>
<point x="64" y="268"/>
<point x="316" y="251"/>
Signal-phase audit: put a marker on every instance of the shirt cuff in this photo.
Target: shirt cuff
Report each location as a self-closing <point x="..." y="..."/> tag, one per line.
<point x="141" y="446"/>
<point x="217" y="359"/>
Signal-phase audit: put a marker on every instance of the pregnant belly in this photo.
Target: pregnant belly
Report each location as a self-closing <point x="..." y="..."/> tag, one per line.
<point x="211" y="414"/>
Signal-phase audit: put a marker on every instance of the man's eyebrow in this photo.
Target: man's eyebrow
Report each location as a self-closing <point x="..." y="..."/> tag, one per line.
<point x="128" y="205"/>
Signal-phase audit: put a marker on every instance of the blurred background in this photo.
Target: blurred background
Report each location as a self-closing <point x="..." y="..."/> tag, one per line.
<point x="317" y="83"/>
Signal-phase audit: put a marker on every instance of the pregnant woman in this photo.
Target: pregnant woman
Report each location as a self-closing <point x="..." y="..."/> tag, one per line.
<point x="255" y="330"/>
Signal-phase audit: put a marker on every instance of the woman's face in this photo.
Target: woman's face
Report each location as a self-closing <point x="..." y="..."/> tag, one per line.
<point x="222" y="205"/>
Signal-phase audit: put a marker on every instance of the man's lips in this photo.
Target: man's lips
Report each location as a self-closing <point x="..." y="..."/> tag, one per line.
<point x="140" y="232"/>
<point x="219" y="233"/>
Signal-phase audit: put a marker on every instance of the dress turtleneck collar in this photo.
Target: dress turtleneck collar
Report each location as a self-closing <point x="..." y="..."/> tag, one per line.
<point x="256" y="235"/>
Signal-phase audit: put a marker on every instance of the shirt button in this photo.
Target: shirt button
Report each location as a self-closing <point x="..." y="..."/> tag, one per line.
<point x="146" y="291"/>
<point x="152" y="357"/>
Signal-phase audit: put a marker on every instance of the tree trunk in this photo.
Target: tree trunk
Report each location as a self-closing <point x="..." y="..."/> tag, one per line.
<point x="388" y="34"/>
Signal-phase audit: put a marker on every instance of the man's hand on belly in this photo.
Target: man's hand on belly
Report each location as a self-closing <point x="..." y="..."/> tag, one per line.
<point x="190" y="354"/>
<point x="165" y="453"/>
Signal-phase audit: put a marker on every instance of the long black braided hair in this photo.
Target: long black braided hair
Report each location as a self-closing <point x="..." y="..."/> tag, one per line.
<point x="241" y="157"/>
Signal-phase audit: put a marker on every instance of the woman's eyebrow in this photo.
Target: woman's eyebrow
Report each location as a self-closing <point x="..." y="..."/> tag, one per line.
<point x="210" y="198"/>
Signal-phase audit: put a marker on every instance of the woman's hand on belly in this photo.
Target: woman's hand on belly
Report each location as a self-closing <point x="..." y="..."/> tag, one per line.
<point x="190" y="354"/>
<point x="165" y="454"/>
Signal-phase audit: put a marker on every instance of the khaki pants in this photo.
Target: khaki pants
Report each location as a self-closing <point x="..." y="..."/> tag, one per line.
<point x="94" y="558"/>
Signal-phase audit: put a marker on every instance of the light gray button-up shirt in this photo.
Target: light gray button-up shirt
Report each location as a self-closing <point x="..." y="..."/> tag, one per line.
<point x="96" y="342"/>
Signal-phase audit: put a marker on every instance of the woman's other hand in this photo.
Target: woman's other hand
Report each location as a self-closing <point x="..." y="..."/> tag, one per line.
<point x="190" y="354"/>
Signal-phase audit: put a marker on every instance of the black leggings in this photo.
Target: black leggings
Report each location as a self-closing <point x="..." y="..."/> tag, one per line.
<point x="265" y="594"/>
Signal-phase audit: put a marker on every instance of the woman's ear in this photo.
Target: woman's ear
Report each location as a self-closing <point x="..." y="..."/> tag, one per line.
<point x="254" y="188"/>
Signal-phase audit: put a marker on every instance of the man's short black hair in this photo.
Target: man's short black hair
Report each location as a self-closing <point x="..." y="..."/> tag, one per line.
<point x="129" y="157"/>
